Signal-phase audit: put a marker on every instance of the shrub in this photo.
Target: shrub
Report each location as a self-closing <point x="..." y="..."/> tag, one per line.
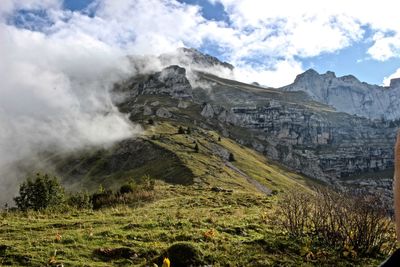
<point x="181" y="130"/>
<point x="103" y="198"/>
<point x="80" y="200"/>
<point x="146" y="182"/>
<point x="231" y="157"/>
<point x="196" y="148"/>
<point x="40" y="193"/>
<point x="133" y="192"/>
<point x="340" y="220"/>
<point x="127" y="188"/>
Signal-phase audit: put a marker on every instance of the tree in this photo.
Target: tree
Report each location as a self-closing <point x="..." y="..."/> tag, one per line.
<point x="188" y="130"/>
<point x="40" y="193"/>
<point x="181" y="130"/>
<point x="196" y="148"/>
<point x="231" y="157"/>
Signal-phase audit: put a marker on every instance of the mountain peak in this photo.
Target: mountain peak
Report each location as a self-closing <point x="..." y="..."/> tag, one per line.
<point x="193" y="58"/>
<point x="348" y="94"/>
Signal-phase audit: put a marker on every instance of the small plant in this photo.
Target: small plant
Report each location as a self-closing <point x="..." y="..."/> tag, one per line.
<point x="40" y="193"/>
<point x="166" y="263"/>
<point x="127" y="188"/>
<point x="181" y="130"/>
<point x="231" y="157"/>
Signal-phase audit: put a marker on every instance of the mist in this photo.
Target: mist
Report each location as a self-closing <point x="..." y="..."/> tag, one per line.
<point x="58" y="67"/>
<point x="55" y="95"/>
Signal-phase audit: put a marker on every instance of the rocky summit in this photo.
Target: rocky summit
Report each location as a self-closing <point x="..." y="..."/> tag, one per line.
<point x="348" y="94"/>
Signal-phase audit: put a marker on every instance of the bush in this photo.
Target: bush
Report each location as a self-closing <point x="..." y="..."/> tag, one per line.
<point x="40" y="193"/>
<point x="146" y="182"/>
<point x="80" y="200"/>
<point x="340" y="220"/>
<point x="181" y="130"/>
<point x="103" y="198"/>
<point x="133" y="192"/>
<point x="127" y="188"/>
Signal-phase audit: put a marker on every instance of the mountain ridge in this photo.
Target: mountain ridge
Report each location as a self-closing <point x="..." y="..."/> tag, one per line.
<point x="348" y="94"/>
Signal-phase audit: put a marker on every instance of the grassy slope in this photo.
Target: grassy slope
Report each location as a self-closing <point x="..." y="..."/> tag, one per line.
<point x="244" y="236"/>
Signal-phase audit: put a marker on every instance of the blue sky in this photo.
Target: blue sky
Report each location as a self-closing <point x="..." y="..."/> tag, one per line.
<point x="266" y="41"/>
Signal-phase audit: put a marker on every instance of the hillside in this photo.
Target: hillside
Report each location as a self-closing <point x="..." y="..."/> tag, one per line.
<point x="223" y="210"/>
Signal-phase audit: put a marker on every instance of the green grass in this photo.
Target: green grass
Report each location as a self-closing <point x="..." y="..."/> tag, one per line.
<point x="242" y="234"/>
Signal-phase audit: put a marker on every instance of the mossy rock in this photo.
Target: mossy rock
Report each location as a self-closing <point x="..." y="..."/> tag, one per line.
<point x="183" y="254"/>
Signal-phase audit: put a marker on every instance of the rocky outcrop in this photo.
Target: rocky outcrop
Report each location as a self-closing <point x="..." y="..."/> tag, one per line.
<point x="311" y="143"/>
<point x="171" y="81"/>
<point x="348" y="94"/>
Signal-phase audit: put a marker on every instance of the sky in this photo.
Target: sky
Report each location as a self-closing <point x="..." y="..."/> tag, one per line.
<point x="268" y="41"/>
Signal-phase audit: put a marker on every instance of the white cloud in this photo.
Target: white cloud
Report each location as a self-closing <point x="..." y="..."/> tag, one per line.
<point x="386" y="80"/>
<point x="282" y="73"/>
<point x="385" y="47"/>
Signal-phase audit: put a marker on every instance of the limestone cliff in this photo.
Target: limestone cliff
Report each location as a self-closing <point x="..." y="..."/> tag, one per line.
<point x="348" y="94"/>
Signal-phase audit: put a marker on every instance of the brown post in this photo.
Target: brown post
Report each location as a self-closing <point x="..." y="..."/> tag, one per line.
<point x="396" y="185"/>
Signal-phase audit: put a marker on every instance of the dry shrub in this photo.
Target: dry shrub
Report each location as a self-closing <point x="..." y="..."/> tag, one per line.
<point x="339" y="220"/>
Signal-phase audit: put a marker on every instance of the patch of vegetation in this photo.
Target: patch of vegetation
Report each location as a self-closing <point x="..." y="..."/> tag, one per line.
<point x="353" y="225"/>
<point x="40" y="193"/>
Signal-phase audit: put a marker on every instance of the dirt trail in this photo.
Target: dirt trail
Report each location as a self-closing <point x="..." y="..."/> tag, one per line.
<point x="262" y="188"/>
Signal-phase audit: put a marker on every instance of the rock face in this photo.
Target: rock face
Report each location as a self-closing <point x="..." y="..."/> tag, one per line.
<point x="348" y="94"/>
<point x="286" y="124"/>
<point x="311" y="143"/>
<point x="171" y="81"/>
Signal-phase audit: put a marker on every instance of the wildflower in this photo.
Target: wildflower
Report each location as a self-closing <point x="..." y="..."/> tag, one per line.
<point x="210" y="234"/>
<point x="166" y="263"/>
<point x="58" y="237"/>
<point x="52" y="260"/>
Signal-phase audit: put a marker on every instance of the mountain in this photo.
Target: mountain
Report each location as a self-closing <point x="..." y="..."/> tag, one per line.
<point x="289" y="127"/>
<point x="348" y="94"/>
<point x="227" y="157"/>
